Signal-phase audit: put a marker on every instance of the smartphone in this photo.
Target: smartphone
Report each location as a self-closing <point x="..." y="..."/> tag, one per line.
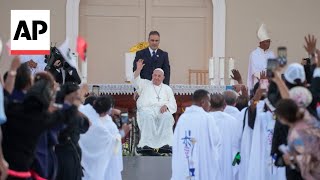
<point x="272" y="64"/>
<point x="282" y="52"/>
<point x="282" y="56"/>
<point x="264" y="84"/>
<point x="124" y="118"/>
<point x="96" y="89"/>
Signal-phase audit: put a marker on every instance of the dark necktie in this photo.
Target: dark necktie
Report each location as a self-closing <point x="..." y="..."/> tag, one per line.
<point x="153" y="54"/>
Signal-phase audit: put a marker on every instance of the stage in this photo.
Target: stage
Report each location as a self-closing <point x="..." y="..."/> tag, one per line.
<point x="146" y="168"/>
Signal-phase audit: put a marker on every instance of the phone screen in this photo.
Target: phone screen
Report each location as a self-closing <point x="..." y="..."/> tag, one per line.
<point x="95" y="90"/>
<point x="282" y="53"/>
<point x="124" y="118"/>
<point x="272" y="64"/>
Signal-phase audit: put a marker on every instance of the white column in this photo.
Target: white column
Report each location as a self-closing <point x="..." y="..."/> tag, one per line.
<point x="216" y="71"/>
<point x="219" y="28"/>
<point x="211" y="71"/>
<point x="231" y="66"/>
<point x="221" y="71"/>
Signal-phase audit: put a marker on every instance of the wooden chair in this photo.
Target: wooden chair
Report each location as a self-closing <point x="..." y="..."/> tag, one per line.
<point x="201" y="77"/>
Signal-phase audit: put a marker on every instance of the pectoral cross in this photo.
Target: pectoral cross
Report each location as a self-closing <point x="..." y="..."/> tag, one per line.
<point x="158" y="98"/>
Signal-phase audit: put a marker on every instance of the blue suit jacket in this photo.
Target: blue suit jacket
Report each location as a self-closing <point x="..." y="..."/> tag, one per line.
<point x="160" y="61"/>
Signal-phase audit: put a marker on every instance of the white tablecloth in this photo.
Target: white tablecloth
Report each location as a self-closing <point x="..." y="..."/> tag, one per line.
<point x="178" y="89"/>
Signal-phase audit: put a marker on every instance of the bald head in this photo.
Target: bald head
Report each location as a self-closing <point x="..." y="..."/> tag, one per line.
<point x="217" y="102"/>
<point x="230" y="97"/>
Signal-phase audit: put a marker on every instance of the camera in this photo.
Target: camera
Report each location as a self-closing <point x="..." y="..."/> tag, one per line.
<point x="53" y="57"/>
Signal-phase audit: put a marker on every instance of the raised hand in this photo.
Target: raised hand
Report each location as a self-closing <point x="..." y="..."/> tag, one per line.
<point x="263" y="75"/>
<point x="311" y="43"/>
<point x="140" y="64"/>
<point x="236" y="76"/>
<point x="15" y="64"/>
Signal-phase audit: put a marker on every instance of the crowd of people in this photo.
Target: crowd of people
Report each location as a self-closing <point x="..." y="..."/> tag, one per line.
<point x="45" y="119"/>
<point x="53" y="128"/>
<point x="269" y="131"/>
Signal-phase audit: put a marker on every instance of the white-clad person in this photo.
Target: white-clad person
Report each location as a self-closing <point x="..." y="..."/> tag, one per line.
<point x="231" y="132"/>
<point x="258" y="57"/>
<point x="230" y="98"/>
<point x="197" y="142"/>
<point x="155" y="106"/>
<point x="101" y="144"/>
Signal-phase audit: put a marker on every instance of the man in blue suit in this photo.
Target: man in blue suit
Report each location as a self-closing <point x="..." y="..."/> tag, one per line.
<point x="153" y="58"/>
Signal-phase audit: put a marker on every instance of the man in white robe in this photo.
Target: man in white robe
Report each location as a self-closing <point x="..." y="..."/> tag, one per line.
<point x="155" y="106"/>
<point x="101" y="144"/>
<point x="230" y="98"/>
<point x="197" y="142"/>
<point x="231" y="130"/>
<point x="261" y="162"/>
<point x="246" y="140"/>
<point x="258" y="57"/>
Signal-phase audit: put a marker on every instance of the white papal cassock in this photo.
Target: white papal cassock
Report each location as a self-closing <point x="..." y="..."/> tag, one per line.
<point x="196" y="146"/>
<point x="231" y="131"/>
<point x="257" y="63"/>
<point x="156" y="128"/>
<point x="101" y="147"/>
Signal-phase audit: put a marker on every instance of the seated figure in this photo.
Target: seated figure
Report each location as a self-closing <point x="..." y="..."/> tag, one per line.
<point x="155" y="106"/>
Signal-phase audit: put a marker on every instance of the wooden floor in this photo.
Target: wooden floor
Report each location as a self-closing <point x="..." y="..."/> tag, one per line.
<point x="146" y="168"/>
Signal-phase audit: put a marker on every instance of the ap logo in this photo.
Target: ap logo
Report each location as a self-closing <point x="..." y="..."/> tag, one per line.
<point x="30" y="32"/>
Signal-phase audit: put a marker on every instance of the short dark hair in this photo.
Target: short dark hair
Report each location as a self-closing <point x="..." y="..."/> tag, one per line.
<point x="217" y="101"/>
<point x="65" y="89"/>
<point x="289" y="110"/>
<point x="154" y="33"/>
<point x="103" y="104"/>
<point x="90" y="100"/>
<point x="199" y="95"/>
<point x="23" y="78"/>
